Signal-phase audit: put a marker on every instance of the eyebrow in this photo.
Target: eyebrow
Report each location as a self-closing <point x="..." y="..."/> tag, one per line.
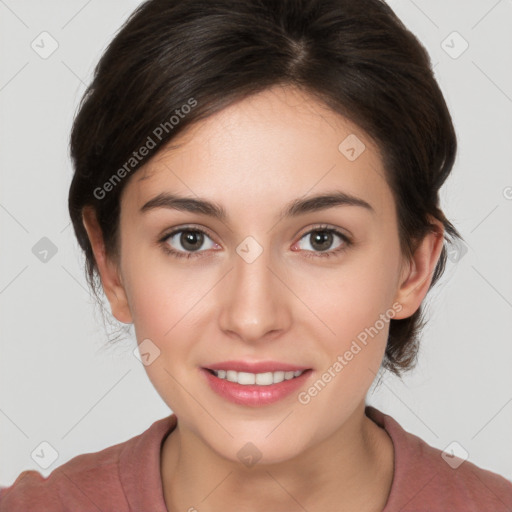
<point x="293" y="209"/>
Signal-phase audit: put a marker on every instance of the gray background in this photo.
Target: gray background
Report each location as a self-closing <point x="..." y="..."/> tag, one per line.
<point x="57" y="382"/>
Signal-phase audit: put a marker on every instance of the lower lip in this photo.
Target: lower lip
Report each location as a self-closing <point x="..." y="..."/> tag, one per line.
<point x="254" y="395"/>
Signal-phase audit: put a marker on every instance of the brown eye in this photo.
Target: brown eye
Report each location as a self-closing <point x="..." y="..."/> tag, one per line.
<point x="321" y="241"/>
<point x="191" y="240"/>
<point x="186" y="242"/>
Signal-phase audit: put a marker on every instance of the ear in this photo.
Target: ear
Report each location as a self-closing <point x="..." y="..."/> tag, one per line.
<point x="418" y="273"/>
<point x="108" y="269"/>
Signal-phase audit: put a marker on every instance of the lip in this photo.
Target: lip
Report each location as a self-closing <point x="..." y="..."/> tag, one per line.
<point x="256" y="367"/>
<point x="253" y="395"/>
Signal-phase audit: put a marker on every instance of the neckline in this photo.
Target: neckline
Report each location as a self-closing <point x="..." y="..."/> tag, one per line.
<point x="140" y="465"/>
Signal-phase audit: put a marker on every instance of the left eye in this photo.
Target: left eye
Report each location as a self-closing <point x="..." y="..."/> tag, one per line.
<point x="322" y="240"/>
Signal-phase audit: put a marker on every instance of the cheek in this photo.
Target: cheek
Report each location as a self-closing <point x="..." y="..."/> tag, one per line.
<point x="164" y="304"/>
<point x="355" y="298"/>
<point x="161" y="293"/>
<point x="358" y="310"/>
<point x="168" y="302"/>
<point x="357" y="306"/>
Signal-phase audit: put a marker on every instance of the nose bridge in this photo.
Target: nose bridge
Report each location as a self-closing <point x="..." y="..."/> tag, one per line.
<point x="252" y="302"/>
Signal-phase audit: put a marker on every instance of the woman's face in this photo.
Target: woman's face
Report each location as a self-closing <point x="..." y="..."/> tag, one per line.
<point x="257" y="286"/>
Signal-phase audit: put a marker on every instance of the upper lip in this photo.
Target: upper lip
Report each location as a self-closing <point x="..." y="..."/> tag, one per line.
<point x="256" y="366"/>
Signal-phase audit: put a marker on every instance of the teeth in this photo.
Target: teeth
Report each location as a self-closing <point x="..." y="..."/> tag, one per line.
<point x="261" y="379"/>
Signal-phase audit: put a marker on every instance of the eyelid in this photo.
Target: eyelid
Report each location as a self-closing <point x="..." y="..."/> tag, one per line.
<point x="327" y="227"/>
<point x="188" y="227"/>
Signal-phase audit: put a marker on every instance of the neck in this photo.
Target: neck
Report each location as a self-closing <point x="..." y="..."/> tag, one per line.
<point x="350" y="470"/>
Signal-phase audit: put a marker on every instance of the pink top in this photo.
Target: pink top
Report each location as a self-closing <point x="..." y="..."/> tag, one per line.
<point x="126" y="478"/>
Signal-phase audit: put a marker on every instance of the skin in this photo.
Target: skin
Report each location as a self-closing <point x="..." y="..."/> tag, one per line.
<point x="253" y="158"/>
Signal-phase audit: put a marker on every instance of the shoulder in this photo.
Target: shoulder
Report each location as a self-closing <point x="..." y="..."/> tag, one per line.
<point x="427" y="478"/>
<point x="90" y="481"/>
<point x="73" y="483"/>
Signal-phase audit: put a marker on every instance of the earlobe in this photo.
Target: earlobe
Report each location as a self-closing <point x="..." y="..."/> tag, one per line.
<point x="415" y="282"/>
<point x="108" y="269"/>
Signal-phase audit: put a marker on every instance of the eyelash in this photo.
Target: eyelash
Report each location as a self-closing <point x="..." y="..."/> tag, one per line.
<point x="312" y="254"/>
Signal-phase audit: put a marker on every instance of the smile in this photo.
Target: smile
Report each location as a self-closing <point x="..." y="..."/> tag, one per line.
<point x="255" y="389"/>
<point x="259" y="379"/>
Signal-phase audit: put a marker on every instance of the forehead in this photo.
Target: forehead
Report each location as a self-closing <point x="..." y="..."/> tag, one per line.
<point x="272" y="146"/>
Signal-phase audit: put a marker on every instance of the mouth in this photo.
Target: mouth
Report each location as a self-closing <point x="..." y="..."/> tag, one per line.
<point x="255" y="384"/>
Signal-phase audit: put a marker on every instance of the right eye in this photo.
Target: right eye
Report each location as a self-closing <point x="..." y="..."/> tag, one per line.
<point x="190" y="239"/>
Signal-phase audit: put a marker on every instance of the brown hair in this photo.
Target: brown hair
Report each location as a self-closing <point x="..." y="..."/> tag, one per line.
<point x="355" y="56"/>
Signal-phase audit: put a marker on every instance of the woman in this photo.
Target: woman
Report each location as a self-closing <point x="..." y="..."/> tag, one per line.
<point x="256" y="186"/>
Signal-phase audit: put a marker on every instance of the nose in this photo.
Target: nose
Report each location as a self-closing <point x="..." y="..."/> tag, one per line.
<point x="254" y="300"/>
